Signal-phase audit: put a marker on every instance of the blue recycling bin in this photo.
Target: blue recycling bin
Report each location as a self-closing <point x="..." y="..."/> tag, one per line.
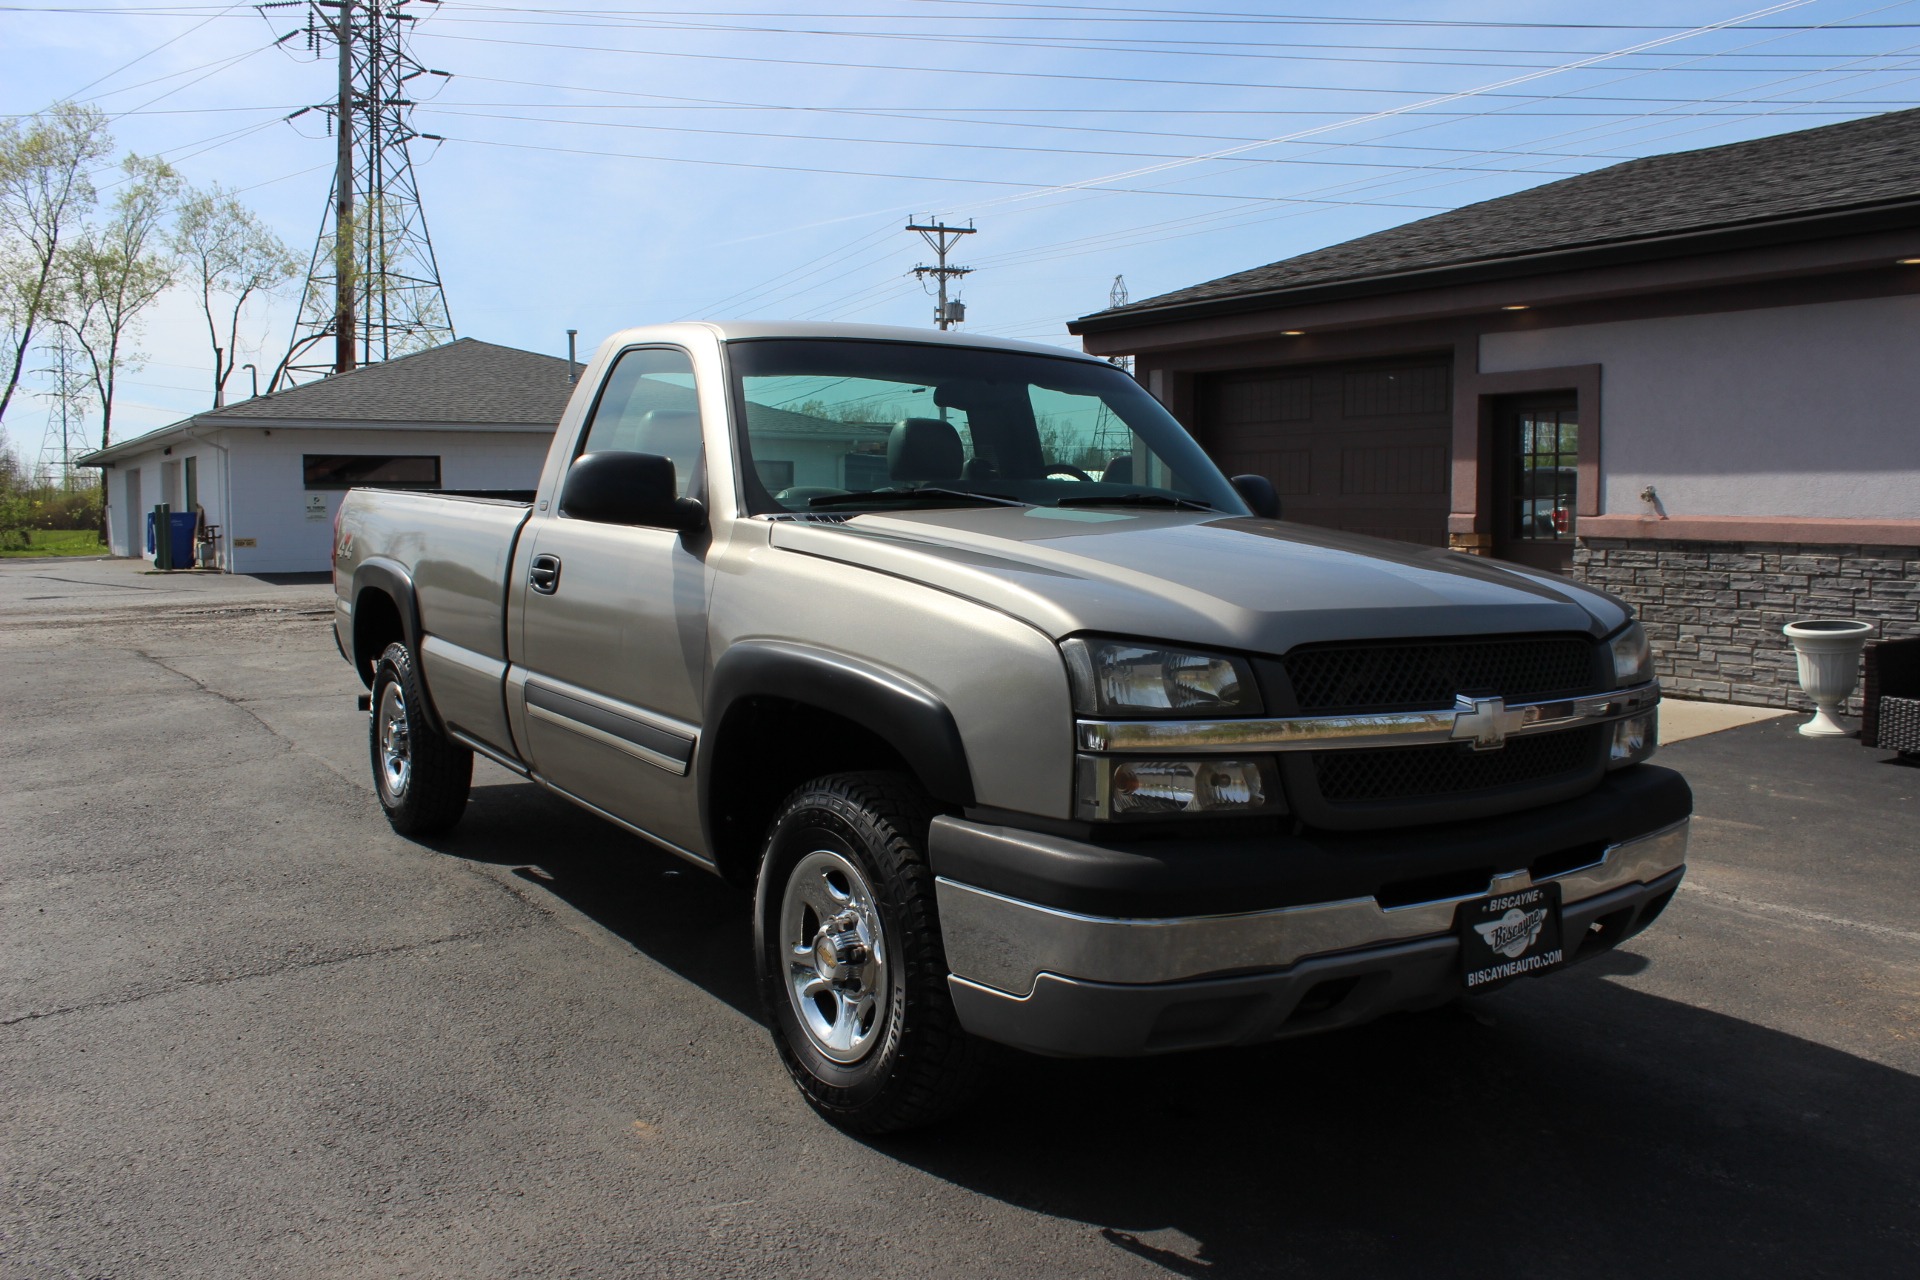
<point x="182" y="523"/>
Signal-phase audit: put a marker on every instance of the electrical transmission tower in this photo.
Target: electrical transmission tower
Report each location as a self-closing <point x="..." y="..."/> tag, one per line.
<point x="942" y="239"/>
<point x="373" y="288"/>
<point x="66" y="435"/>
<point x="1117" y="297"/>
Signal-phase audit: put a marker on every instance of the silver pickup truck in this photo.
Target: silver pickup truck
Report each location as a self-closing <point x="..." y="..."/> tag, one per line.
<point x="1021" y="722"/>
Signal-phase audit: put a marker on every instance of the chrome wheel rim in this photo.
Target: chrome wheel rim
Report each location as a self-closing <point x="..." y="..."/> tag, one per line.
<point x="396" y="746"/>
<point x="836" y="956"/>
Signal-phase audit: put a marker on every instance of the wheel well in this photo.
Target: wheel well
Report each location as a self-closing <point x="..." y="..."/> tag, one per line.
<point x="376" y="624"/>
<point x="763" y="749"/>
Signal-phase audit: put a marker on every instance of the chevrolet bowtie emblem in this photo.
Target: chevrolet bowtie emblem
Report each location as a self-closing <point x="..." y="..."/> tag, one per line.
<point x="1484" y="721"/>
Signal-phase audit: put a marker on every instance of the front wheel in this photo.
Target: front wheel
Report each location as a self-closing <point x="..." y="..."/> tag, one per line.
<point x="851" y="969"/>
<point x="422" y="776"/>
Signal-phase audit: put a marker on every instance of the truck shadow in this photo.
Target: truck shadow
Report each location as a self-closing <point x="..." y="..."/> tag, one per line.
<point x="1570" y="1128"/>
<point x="1585" y="1129"/>
<point x="670" y="910"/>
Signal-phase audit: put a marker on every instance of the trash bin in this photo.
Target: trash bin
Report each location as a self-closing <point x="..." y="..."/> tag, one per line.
<point x="181" y="543"/>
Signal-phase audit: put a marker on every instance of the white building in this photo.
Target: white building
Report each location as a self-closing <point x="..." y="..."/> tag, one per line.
<point x="270" y="472"/>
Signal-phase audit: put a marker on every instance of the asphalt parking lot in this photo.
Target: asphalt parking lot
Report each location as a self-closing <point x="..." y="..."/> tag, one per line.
<point x="247" y="1031"/>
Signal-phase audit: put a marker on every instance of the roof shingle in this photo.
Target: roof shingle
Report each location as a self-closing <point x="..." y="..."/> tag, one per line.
<point x="1859" y="163"/>
<point x="464" y="381"/>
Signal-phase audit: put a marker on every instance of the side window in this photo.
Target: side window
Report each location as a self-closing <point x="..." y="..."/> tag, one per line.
<point x="649" y="406"/>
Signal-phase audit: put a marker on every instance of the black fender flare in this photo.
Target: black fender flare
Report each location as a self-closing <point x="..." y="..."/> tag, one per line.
<point x="391" y="579"/>
<point x="902" y="713"/>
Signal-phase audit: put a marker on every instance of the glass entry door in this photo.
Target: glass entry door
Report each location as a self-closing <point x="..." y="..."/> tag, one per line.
<point x="1538" y="480"/>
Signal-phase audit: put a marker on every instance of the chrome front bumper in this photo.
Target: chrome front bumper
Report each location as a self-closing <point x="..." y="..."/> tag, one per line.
<point x="1014" y="963"/>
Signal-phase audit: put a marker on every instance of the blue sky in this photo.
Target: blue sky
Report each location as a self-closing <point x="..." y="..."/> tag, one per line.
<point x="624" y="163"/>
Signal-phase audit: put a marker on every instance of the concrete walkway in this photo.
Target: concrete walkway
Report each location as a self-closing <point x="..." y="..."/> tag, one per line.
<point x="1681" y="719"/>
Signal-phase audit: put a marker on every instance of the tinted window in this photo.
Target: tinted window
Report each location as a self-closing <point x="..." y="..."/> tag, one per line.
<point x="837" y="420"/>
<point x="648" y="406"/>
<point x="371" y="470"/>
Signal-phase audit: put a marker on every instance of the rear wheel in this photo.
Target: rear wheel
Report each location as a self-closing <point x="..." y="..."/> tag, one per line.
<point x="421" y="775"/>
<point x="851" y="969"/>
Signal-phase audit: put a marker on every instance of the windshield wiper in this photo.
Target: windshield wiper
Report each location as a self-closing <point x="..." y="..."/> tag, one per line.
<point x="915" y="494"/>
<point x="1136" y="500"/>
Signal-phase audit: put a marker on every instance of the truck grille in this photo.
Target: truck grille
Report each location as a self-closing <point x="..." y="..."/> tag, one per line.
<point x="1422" y="675"/>
<point x="1425" y="773"/>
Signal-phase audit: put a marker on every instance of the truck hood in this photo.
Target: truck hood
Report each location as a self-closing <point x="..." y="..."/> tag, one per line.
<point x="1196" y="578"/>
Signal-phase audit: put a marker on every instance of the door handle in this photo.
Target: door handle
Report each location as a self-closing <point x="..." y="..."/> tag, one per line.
<point x="544" y="576"/>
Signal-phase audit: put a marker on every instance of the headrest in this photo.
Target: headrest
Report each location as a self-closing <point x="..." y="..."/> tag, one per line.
<point x="1120" y="470"/>
<point x="924" y="449"/>
<point x="672" y="433"/>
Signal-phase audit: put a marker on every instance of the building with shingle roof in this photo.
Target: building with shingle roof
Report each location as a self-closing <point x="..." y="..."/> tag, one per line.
<point x="1689" y="378"/>
<point x="266" y="474"/>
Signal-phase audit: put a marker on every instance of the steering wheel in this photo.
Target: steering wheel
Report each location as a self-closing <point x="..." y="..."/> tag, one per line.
<point x="1062" y="469"/>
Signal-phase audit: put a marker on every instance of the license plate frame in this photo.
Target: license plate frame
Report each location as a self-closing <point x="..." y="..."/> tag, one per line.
<point x="1509" y="935"/>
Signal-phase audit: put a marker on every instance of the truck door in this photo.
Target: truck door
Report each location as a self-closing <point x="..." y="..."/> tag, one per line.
<point x="614" y="621"/>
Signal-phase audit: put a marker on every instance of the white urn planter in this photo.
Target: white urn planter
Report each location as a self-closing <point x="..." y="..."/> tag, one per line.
<point x="1829" y="653"/>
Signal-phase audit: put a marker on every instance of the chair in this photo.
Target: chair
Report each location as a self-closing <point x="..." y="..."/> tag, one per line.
<point x="923" y="450"/>
<point x="1890" y="719"/>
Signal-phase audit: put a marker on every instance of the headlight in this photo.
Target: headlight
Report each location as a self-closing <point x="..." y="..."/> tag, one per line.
<point x="1120" y="787"/>
<point x="1118" y="678"/>
<point x="1632" y="656"/>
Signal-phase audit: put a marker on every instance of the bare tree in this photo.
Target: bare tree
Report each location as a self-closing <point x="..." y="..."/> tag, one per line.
<point x="44" y="193"/>
<point x="231" y="255"/>
<point x="112" y="274"/>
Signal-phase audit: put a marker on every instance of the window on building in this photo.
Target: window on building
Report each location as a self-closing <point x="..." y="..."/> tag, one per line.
<point x="775" y="475"/>
<point x="192" y="473"/>
<point x="371" y="471"/>
<point x="1546" y="474"/>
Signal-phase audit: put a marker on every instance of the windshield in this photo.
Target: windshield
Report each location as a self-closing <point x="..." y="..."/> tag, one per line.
<point x="849" y="425"/>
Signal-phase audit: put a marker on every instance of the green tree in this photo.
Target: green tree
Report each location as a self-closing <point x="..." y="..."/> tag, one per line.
<point x="16" y="499"/>
<point x="115" y="271"/>
<point x="230" y="255"/>
<point x="44" y="195"/>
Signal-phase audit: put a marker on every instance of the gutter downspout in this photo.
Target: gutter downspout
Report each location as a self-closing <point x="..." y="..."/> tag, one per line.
<point x="226" y="491"/>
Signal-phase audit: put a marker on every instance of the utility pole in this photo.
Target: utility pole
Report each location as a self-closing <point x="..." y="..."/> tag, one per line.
<point x="343" y="195"/>
<point x="373" y="285"/>
<point x="942" y="238"/>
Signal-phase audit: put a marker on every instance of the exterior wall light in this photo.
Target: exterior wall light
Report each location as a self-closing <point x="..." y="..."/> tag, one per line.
<point x="1515" y="306"/>
<point x="1908" y="262"/>
<point x="1291" y="333"/>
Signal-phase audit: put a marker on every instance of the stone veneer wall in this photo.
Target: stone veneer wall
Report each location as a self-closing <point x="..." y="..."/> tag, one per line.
<point x="1714" y="609"/>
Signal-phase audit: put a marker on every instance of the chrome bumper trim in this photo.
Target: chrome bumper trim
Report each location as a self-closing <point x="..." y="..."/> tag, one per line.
<point x="1486" y="722"/>
<point x="1005" y="943"/>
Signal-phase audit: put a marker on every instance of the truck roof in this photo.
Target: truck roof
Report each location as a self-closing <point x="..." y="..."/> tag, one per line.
<point x="733" y="330"/>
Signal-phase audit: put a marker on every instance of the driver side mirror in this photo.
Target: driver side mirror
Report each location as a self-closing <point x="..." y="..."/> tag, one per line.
<point x="617" y="487"/>
<point x="1258" y="492"/>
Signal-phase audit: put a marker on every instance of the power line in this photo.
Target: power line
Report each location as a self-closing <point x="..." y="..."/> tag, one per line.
<point x="898" y="177"/>
<point x="462" y="110"/>
<point x="148" y="54"/>
<point x="1429" y="95"/>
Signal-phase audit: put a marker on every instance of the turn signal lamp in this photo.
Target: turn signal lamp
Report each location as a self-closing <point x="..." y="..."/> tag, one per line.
<point x="1118" y="787"/>
<point x="1634" y="740"/>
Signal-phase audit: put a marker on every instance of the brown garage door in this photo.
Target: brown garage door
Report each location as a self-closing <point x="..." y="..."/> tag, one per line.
<point x="1362" y="447"/>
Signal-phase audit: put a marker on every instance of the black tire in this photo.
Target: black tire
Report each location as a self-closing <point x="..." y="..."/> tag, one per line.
<point x="428" y="795"/>
<point x="918" y="1065"/>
